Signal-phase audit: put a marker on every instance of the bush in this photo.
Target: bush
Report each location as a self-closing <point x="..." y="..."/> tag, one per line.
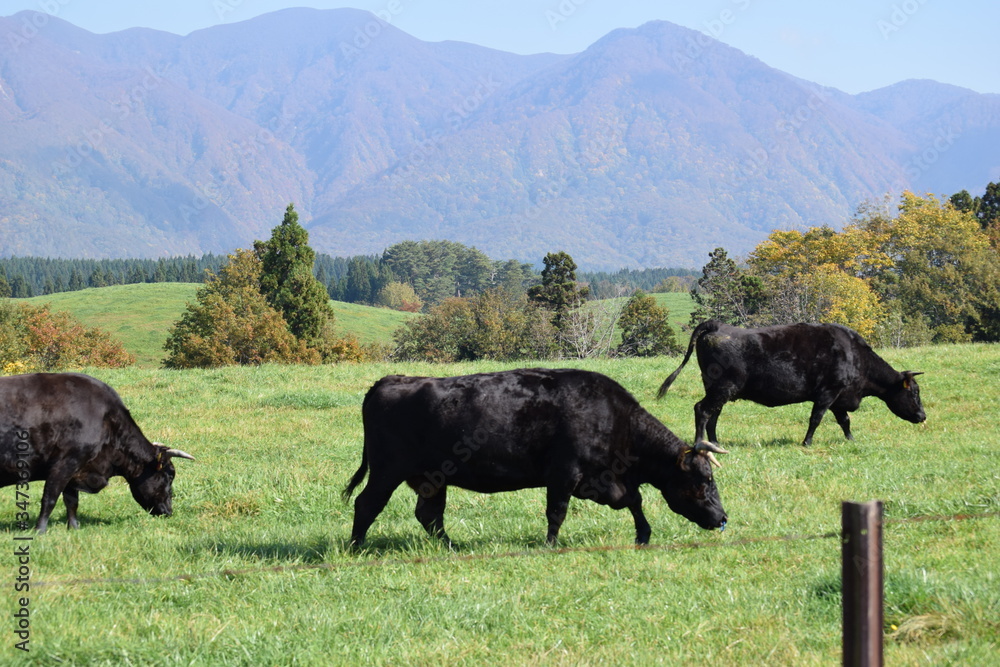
<point x="33" y="339"/>
<point x="496" y="324"/>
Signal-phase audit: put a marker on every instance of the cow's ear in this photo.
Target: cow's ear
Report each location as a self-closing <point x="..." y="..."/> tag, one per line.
<point x="908" y="378"/>
<point x="683" y="461"/>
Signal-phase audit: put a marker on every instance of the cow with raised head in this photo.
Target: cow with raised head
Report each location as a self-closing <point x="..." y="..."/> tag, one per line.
<point x="74" y="432"/>
<point x="576" y="433"/>
<point x="828" y="364"/>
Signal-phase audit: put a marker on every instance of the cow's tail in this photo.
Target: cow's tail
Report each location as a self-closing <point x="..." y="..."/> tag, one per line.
<point x="705" y="327"/>
<point x="363" y="468"/>
<point x="358" y="476"/>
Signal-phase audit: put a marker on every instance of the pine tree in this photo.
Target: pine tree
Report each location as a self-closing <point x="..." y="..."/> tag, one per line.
<point x="287" y="279"/>
<point x="558" y="292"/>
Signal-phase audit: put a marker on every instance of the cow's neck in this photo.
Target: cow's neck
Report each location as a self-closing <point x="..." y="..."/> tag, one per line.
<point x="880" y="376"/>
<point x="657" y="448"/>
<point x="132" y="458"/>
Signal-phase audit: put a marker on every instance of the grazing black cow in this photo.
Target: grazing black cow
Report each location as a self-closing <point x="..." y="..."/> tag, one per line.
<point x="574" y="432"/>
<point x="828" y="364"/>
<point x="74" y="432"/>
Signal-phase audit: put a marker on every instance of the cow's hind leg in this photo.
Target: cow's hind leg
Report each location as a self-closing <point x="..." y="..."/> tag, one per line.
<point x="430" y="513"/>
<point x="844" y="419"/>
<point x="706" y="416"/>
<point x="71" y="499"/>
<point x="368" y="505"/>
<point x="710" y="426"/>
<point x="55" y="484"/>
<point x="557" y="496"/>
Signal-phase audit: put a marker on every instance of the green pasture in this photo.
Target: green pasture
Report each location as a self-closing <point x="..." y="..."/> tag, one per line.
<point x="140" y="316"/>
<point x="252" y="568"/>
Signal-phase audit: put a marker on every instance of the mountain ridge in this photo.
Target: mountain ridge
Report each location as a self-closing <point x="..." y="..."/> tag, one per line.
<point x="631" y="153"/>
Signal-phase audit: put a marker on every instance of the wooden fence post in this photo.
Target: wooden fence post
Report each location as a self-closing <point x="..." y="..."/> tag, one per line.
<point x="861" y="572"/>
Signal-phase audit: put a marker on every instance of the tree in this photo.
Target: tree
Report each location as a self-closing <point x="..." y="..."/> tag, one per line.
<point x="646" y="330"/>
<point x="232" y="323"/>
<point x="559" y="291"/>
<point x="726" y="292"/>
<point x="287" y="280"/>
<point x="942" y="269"/>
<point x="399" y="296"/>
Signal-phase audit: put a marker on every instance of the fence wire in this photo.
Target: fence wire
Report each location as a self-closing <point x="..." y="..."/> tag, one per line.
<point x="460" y="558"/>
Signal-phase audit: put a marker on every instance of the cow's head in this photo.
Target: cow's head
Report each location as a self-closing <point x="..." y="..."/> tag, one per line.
<point x="152" y="489"/>
<point x="903" y="398"/>
<point x="692" y="492"/>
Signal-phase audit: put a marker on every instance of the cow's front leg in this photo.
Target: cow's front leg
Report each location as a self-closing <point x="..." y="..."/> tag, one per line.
<point x="642" y="528"/>
<point x="844" y="419"/>
<point x="430" y="514"/>
<point x="819" y="409"/>
<point x="71" y="499"/>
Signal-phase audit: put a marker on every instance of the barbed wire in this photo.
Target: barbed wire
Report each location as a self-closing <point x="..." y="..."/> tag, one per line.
<point x="458" y="558"/>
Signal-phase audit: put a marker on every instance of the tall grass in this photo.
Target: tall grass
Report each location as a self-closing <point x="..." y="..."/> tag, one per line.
<point x="253" y="569"/>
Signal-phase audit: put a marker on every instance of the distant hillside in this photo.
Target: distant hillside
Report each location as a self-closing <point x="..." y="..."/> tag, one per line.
<point x="633" y="153"/>
<point x="141" y="315"/>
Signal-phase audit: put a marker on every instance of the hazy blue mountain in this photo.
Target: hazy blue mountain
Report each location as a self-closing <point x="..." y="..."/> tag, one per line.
<point x="639" y="151"/>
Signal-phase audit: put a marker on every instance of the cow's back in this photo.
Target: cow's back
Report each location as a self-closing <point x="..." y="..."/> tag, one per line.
<point x="492" y="431"/>
<point x="780" y="365"/>
<point x="46" y="415"/>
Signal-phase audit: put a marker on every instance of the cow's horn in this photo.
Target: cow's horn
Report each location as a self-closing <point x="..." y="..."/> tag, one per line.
<point x="707" y="448"/>
<point x="176" y="453"/>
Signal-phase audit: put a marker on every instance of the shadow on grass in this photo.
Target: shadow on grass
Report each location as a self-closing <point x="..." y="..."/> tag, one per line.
<point x="314" y="551"/>
<point x="55" y="523"/>
<point x="424" y="546"/>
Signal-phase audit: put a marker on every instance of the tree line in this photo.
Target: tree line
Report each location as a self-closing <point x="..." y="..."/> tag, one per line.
<point x="435" y="270"/>
<point x="915" y="272"/>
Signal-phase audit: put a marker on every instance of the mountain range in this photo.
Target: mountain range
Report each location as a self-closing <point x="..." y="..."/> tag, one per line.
<point x="650" y="148"/>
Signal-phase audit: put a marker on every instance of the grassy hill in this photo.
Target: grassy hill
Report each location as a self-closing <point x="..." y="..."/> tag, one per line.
<point x="252" y="568"/>
<point x="141" y="315"/>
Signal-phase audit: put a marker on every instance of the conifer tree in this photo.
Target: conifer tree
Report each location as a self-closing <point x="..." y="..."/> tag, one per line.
<point x="287" y="279"/>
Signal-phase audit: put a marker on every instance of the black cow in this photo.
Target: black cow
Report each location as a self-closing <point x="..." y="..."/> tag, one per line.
<point x="574" y="432"/>
<point x="828" y="364"/>
<point x="74" y="432"/>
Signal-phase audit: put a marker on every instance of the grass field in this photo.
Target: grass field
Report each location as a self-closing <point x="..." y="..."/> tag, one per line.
<point x="141" y="315"/>
<point x="252" y="568"/>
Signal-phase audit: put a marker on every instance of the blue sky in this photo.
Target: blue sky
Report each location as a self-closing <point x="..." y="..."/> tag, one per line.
<point x="853" y="45"/>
